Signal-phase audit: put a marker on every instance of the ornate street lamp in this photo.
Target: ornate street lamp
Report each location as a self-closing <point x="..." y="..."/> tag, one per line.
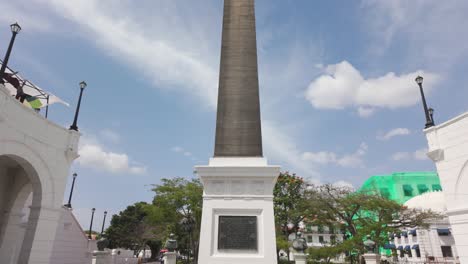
<point x="429" y="121"/>
<point x="71" y="191"/>
<point x="187" y="224"/>
<point x="15" y="29"/>
<point x="103" y="222"/>
<point x="75" y="120"/>
<point x="91" y="224"/>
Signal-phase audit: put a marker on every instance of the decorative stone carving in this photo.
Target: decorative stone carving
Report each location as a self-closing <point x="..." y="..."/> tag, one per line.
<point x="258" y="187"/>
<point x="237" y="187"/>
<point x="436" y="155"/>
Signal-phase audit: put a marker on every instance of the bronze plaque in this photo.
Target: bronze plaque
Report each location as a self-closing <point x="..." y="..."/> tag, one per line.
<point x="237" y="233"/>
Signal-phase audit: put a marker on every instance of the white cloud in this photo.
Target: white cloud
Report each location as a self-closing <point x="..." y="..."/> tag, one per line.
<point x="141" y="41"/>
<point x="26" y="16"/>
<point x="432" y="31"/>
<point x="343" y="86"/>
<point x="393" y="133"/>
<point x="158" y="55"/>
<point x="281" y="146"/>
<point x="177" y="149"/>
<point x="94" y="155"/>
<point x="401" y="156"/>
<point x="354" y="160"/>
<point x="182" y="151"/>
<point x="365" y="111"/>
<point x="419" y="154"/>
<point x="322" y="157"/>
<point x="110" y="135"/>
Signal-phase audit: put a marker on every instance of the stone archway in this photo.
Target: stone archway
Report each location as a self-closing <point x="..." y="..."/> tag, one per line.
<point x="21" y="191"/>
<point x="462" y="183"/>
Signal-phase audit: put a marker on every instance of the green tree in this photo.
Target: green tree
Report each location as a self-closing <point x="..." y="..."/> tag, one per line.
<point x="290" y="207"/>
<point x="290" y="204"/>
<point x="175" y="199"/>
<point x="131" y="228"/>
<point x="324" y="254"/>
<point x="360" y="214"/>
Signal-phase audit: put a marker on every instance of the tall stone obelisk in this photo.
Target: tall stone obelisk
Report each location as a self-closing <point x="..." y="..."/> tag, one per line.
<point x="237" y="220"/>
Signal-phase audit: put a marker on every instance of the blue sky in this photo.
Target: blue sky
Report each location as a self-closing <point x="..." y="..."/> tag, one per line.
<point x="338" y="97"/>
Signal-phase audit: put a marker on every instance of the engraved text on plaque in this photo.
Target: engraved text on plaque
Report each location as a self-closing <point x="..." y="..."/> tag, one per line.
<point x="237" y="233"/>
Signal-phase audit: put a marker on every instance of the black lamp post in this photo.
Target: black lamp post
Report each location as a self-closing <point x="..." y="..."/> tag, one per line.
<point x="91" y="224"/>
<point x="15" y="29"/>
<point x="429" y="121"/>
<point x="187" y="224"/>
<point x="431" y="114"/>
<point x="103" y="222"/>
<point x="71" y="191"/>
<point x="75" y="120"/>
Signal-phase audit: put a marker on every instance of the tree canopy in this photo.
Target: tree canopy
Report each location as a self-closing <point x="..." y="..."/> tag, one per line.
<point x="359" y="214"/>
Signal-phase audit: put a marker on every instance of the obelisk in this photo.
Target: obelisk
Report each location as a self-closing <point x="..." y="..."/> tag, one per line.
<point x="238" y="127"/>
<point x="237" y="220"/>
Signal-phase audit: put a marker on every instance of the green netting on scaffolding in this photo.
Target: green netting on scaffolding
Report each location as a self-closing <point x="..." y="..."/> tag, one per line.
<point x="402" y="186"/>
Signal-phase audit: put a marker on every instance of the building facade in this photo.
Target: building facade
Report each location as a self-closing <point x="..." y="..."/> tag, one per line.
<point x="435" y="244"/>
<point x="318" y="235"/>
<point x="448" y="148"/>
<point x="35" y="158"/>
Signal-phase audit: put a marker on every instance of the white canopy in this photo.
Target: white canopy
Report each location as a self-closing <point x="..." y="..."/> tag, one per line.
<point x="37" y="97"/>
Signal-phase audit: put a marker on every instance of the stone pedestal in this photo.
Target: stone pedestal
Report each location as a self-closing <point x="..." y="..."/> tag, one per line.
<point x="170" y="258"/>
<point x="301" y="258"/>
<point x="102" y="257"/>
<point x="237" y="220"/>
<point x="371" y="258"/>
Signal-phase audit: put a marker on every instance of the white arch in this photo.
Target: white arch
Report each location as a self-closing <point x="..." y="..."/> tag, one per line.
<point x="36" y="168"/>
<point x="38" y="173"/>
<point x="460" y="183"/>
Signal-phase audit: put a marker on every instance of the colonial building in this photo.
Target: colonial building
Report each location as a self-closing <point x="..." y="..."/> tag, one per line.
<point x="448" y="148"/>
<point x="35" y="158"/>
<point x="435" y="244"/>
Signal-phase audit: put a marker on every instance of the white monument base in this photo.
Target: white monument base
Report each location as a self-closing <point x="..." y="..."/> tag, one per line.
<point x="102" y="257"/>
<point x="170" y="258"/>
<point x="371" y="258"/>
<point x="301" y="258"/>
<point x="243" y="188"/>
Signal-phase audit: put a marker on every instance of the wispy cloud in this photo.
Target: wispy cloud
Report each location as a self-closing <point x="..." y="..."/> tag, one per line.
<point x="419" y="154"/>
<point x="353" y="160"/>
<point x="163" y="58"/>
<point x="394" y="133"/>
<point x="157" y="55"/>
<point x="110" y="135"/>
<point x="182" y="151"/>
<point x="424" y="28"/>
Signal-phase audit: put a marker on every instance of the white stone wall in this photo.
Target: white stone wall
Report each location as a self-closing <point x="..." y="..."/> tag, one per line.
<point x="71" y="245"/>
<point x="238" y="187"/>
<point x="448" y="148"/>
<point x="44" y="151"/>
